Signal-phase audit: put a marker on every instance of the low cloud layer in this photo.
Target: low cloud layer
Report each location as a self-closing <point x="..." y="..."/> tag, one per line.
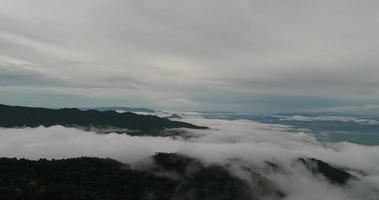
<point x="362" y="121"/>
<point x="362" y="110"/>
<point x="250" y="142"/>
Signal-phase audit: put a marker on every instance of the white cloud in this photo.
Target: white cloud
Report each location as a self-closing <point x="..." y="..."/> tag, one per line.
<point x="365" y="109"/>
<point x="363" y="121"/>
<point x="251" y="142"/>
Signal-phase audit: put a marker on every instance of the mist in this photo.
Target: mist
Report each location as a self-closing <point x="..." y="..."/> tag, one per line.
<point x="238" y="144"/>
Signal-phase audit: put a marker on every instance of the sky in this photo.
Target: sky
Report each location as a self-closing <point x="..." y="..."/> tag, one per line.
<point x="255" y="56"/>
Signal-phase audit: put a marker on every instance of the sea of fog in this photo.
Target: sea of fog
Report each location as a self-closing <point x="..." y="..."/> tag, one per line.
<point x="325" y="127"/>
<point x="250" y="142"/>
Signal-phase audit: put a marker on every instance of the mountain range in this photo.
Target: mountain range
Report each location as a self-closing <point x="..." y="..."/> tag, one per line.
<point x="19" y="116"/>
<point x="163" y="176"/>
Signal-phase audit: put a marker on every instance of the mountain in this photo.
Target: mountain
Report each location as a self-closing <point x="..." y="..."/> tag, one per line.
<point x="94" y="178"/>
<point x="199" y="181"/>
<point x="332" y="174"/>
<point x="77" y="179"/>
<point x="17" y="116"/>
<point x="163" y="176"/>
<point x="120" y="109"/>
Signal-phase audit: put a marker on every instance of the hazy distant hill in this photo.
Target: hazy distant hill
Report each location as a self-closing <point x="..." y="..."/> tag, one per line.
<point x="17" y="116"/>
<point x="123" y="109"/>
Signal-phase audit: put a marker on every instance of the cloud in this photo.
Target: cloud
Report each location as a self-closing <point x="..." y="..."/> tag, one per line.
<point x="365" y="109"/>
<point x="251" y="143"/>
<point x="13" y="77"/>
<point x="200" y="50"/>
<point x="362" y="121"/>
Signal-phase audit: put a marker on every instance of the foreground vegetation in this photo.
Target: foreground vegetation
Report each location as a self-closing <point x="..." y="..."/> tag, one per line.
<point x="163" y="176"/>
<point x="98" y="179"/>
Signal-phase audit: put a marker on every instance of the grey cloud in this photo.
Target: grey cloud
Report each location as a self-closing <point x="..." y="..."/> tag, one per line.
<point x="249" y="48"/>
<point x="25" y="78"/>
<point x="329" y="118"/>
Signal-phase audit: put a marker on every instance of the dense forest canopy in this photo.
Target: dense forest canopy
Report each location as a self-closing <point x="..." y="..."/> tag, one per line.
<point x="162" y="176"/>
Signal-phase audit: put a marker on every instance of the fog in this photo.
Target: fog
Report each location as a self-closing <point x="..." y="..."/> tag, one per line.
<point x="249" y="142"/>
<point x="362" y="121"/>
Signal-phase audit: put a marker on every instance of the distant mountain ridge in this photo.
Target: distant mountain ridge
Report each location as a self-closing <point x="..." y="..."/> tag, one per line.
<point x="19" y="116"/>
<point x="119" y="108"/>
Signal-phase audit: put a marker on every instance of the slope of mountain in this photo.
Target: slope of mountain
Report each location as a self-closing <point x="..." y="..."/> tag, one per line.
<point x="122" y="109"/>
<point x="331" y="173"/>
<point x="79" y="178"/>
<point x="93" y="178"/>
<point x="17" y="116"/>
<point x="162" y="176"/>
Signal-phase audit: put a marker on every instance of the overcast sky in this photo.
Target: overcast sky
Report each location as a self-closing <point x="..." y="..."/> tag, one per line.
<point x="253" y="56"/>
